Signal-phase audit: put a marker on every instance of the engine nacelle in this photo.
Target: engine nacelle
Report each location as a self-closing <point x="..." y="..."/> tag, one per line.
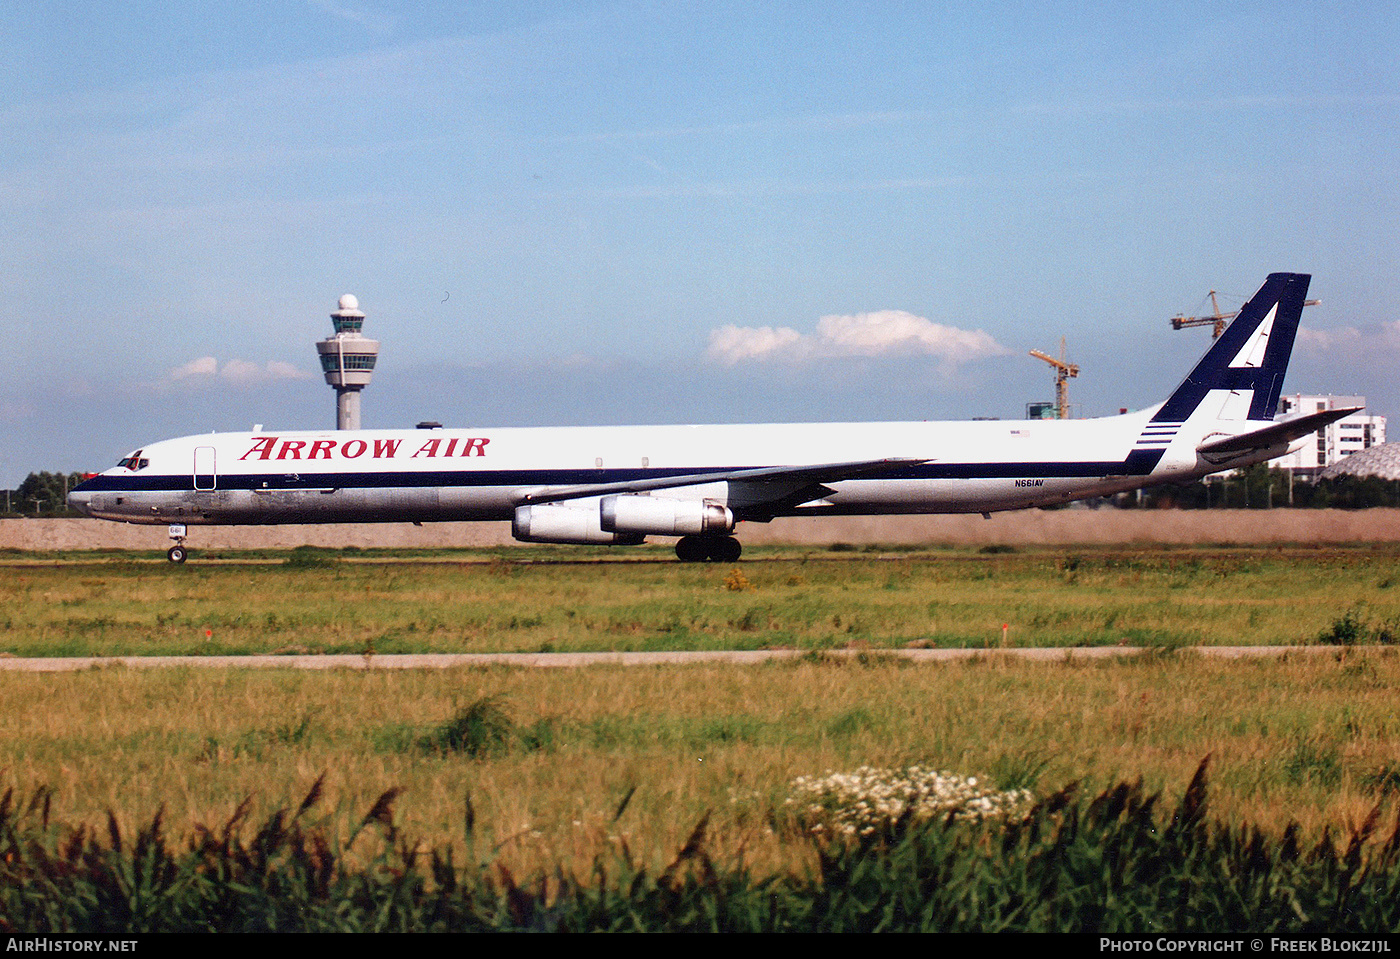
<point x="553" y="523"/>
<point x="663" y="517"/>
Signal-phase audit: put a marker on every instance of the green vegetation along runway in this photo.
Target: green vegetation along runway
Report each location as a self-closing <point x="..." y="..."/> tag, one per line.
<point x="319" y="602"/>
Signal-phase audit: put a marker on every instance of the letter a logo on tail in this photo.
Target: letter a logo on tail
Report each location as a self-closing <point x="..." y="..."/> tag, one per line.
<point x="1245" y="367"/>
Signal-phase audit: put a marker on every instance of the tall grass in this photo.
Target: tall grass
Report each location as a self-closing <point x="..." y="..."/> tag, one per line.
<point x="1118" y="863"/>
<point x="1311" y="740"/>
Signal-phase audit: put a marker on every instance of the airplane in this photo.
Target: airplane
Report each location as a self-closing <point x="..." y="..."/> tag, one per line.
<point x="618" y="485"/>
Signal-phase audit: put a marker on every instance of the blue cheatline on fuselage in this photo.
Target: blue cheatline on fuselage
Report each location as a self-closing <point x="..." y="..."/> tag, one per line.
<point x="1138" y="463"/>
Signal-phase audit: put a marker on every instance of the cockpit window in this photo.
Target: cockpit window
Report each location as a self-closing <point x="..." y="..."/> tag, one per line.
<point x="134" y="461"/>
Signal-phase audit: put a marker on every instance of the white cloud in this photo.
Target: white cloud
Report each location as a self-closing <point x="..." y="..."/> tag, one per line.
<point x="278" y="370"/>
<point x="241" y="371"/>
<point x="889" y="333"/>
<point x="731" y="344"/>
<point x="238" y="372"/>
<point x="1348" y="340"/>
<point x="204" y="366"/>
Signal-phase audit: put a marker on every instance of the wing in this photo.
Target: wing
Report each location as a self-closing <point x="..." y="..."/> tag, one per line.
<point x="1284" y="431"/>
<point x="758" y="492"/>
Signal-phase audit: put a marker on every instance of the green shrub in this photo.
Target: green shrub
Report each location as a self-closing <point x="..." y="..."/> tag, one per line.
<point x="476" y="729"/>
<point x="1347" y="631"/>
<point x="1353" y="629"/>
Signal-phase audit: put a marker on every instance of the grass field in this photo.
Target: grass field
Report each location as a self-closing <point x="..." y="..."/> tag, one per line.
<point x="552" y="600"/>
<point x="1313" y="739"/>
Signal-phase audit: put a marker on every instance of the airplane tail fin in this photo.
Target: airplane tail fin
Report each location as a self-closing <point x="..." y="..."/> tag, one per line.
<point x="1244" y="369"/>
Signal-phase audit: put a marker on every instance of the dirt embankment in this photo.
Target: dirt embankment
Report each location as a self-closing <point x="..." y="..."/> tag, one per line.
<point x="1024" y="528"/>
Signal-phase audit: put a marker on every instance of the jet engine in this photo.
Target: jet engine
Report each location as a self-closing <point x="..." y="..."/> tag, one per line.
<point x="553" y="523"/>
<point x="663" y="517"/>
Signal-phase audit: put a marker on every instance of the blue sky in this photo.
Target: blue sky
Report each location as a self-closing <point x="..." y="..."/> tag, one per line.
<point x="572" y="213"/>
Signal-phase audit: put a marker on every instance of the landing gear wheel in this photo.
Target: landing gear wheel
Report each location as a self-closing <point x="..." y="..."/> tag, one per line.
<point x="691" y="549"/>
<point x="712" y="549"/>
<point x="726" y="550"/>
<point x="176" y="554"/>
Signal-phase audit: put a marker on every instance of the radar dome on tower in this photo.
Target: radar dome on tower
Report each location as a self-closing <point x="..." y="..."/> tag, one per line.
<point x="348" y="318"/>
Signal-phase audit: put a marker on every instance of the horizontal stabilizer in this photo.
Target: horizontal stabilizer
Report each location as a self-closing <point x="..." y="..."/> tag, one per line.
<point x="817" y="474"/>
<point x="1284" y="431"/>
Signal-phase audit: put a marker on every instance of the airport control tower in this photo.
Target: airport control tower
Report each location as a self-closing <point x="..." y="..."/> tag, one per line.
<point x="348" y="361"/>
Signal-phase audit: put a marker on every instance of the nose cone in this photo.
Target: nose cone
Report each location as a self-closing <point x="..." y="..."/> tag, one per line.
<point x="81" y="500"/>
<point x="83" y="497"/>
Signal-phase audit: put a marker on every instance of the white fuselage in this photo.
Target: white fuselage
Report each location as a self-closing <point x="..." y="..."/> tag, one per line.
<point x="453" y="474"/>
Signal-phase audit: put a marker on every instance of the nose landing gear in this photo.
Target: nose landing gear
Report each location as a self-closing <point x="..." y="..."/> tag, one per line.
<point x="177" y="553"/>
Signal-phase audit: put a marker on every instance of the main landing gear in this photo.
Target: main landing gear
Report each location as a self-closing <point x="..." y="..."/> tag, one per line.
<point x="177" y="553"/>
<point x="708" y="549"/>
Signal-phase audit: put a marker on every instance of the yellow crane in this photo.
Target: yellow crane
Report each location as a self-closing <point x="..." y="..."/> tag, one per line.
<point x="1064" y="371"/>
<point x="1216" y="319"/>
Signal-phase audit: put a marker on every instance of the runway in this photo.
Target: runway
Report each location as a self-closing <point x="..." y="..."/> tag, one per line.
<point x="1048" y="654"/>
<point x="1070" y="526"/>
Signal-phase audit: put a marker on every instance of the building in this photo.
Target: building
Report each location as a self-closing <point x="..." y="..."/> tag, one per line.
<point x="1382" y="462"/>
<point x="347" y="359"/>
<point x="1351" y="434"/>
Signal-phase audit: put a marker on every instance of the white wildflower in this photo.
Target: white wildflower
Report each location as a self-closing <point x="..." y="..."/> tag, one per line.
<point x="868" y="799"/>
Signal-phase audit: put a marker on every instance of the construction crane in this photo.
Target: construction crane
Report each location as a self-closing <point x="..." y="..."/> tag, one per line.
<point x="1064" y="371"/>
<point x="1216" y="319"/>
